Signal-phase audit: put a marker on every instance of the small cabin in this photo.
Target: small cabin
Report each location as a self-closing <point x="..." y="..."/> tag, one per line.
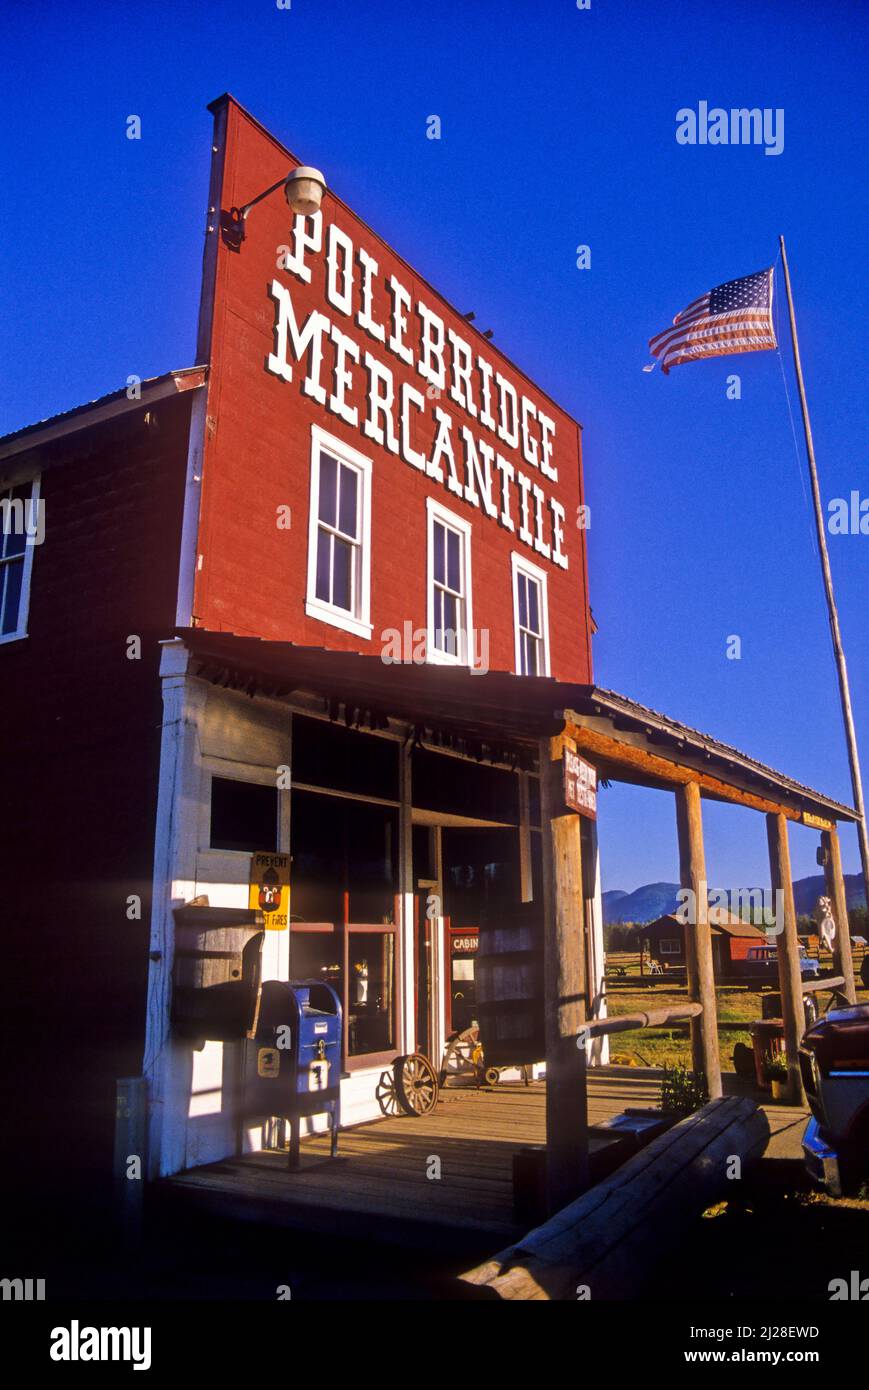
<point x="664" y="942"/>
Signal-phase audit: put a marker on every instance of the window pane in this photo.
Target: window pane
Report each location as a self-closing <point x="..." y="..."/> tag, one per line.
<point x="316" y="956"/>
<point x="14" y="519"/>
<point x="328" y="488"/>
<point x="328" y="755"/>
<point x="454" y="564"/>
<point x="370" y="992"/>
<point x="244" y="815"/>
<point x="531" y="646"/>
<point x="533" y="605"/>
<point x="451" y="624"/>
<point x="438" y="542"/>
<point x="342" y="572"/>
<point x="347" y="502"/>
<point x="522" y="594"/>
<point x="438" y="615"/>
<point x="14" y="571"/>
<point x="324" y="552"/>
<point x="342" y="846"/>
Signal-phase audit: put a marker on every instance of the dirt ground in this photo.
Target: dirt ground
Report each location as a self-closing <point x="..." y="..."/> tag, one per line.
<point x="775" y="1244"/>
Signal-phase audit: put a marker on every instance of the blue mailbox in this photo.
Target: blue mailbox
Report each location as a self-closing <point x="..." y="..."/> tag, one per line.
<point x="293" y="1061"/>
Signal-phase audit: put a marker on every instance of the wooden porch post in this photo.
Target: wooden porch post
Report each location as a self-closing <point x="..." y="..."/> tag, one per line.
<point x="563" y="986"/>
<point x="842" y="962"/>
<point x="789" y="977"/>
<point x="698" y="938"/>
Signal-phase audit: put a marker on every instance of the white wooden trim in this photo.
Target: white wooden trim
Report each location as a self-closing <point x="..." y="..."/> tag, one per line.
<point x="187" y="556"/>
<point x="346" y="796"/>
<point x="30" y="545"/>
<point x="407" y="1020"/>
<point x="360" y="623"/>
<point x="520" y="565"/>
<point x="167" y="1063"/>
<point x="436" y="511"/>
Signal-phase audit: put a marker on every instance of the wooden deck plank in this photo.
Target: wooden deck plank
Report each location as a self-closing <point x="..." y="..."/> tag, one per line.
<point x="380" y="1173"/>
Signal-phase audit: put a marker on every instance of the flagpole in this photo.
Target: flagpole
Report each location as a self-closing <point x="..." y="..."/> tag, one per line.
<point x="841" y="668"/>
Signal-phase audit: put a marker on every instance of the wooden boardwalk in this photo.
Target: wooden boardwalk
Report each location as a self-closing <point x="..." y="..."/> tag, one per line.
<point x="379" y="1187"/>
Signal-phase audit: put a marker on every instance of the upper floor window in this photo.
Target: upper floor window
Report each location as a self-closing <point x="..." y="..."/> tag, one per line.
<point x="449" y="586"/>
<point x="20" y="532"/>
<point x="530" y="618"/>
<point x="339" y="536"/>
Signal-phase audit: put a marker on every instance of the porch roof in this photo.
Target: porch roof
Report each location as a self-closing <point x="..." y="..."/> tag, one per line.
<point x="501" y="717"/>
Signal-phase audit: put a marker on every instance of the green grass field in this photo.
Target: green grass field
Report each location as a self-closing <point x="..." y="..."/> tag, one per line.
<point x="666" y="1047"/>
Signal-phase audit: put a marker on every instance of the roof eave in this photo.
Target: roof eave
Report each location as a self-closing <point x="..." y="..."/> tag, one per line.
<point x="105" y="408"/>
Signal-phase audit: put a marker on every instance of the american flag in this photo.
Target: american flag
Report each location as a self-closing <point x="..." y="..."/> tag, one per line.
<point x="735" y="317"/>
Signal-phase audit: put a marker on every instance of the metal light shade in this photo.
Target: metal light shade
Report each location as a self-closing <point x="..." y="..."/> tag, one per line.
<point x="304" y="190"/>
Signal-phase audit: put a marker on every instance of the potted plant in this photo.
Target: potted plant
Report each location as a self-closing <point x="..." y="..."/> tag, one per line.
<point x="776" y="1070"/>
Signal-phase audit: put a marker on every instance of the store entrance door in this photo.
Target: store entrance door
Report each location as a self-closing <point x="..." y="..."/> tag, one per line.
<point x="480" y="874"/>
<point x="462" y="946"/>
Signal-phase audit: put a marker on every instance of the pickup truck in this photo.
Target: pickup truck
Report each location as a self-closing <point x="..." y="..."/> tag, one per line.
<point x="762" y="963"/>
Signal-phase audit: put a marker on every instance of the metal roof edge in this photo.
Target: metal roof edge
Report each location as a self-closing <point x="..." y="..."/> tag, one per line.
<point x="103" y="408"/>
<point x="614" y="703"/>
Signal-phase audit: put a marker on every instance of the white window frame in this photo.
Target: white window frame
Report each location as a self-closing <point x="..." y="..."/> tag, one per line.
<point x="519" y="565"/>
<point x="436" y="512"/>
<point x="29" y="547"/>
<point x="359" y="623"/>
<point x="670" y="946"/>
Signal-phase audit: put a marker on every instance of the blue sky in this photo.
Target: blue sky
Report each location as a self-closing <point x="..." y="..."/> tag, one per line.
<point x="558" y="129"/>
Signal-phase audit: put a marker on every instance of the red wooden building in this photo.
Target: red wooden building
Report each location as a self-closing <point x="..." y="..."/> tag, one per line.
<point x="732" y="939"/>
<point x="351" y="467"/>
<point x="314" y="608"/>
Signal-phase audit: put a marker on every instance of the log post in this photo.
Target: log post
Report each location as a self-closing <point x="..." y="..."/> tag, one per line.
<point x="842" y="963"/>
<point x="611" y="1239"/>
<point x="789" y="977"/>
<point x="564" y="985"/>
<point x="698" y="938"/>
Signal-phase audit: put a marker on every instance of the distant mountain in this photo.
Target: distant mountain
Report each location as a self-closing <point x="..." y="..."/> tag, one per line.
<point x="655" y="899"/>
<point x="643" y="905"/>
<point x="808" y="890"/>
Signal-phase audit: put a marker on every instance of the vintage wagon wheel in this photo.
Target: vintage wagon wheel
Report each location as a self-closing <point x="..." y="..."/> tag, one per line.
<point x="386" y="1094"/>
<point x="416" y="1083"/>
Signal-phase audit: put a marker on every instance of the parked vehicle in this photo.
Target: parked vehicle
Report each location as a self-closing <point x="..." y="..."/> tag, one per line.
<point x="834" y="1062"/>
<point x="762" y="962"/>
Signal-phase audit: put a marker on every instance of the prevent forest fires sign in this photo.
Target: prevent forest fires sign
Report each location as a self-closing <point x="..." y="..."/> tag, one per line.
<point x="270" y="889"/>
<point x="580" y="785"/>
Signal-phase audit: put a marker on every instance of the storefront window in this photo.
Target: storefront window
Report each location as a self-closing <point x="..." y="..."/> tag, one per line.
<point x="359" y="962"/>
<point x="316" y="955"/>
<point x="341" y="846"/>
<point x="370" y="1006"/>
<point x="244" y="815"/>
<point x="328" y="755"/>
